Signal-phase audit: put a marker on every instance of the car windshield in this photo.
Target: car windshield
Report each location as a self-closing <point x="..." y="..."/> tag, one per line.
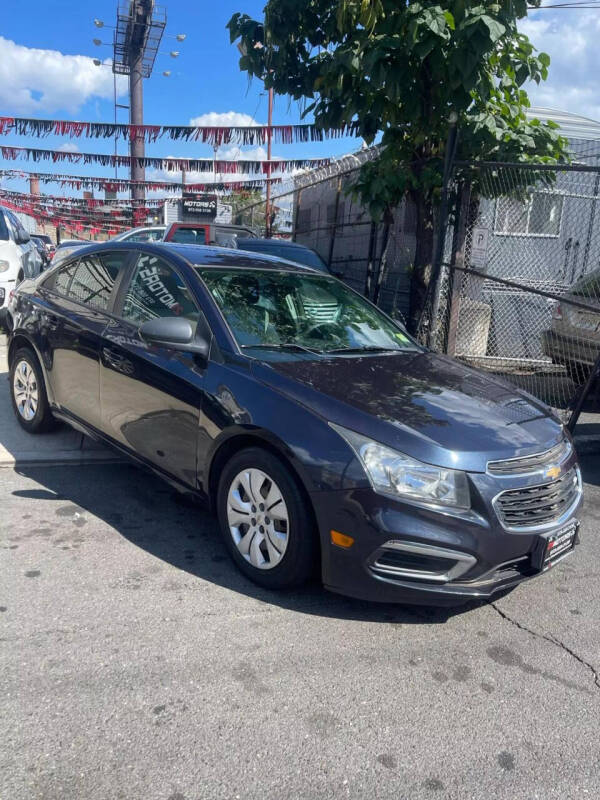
<point x="271" y="309"/>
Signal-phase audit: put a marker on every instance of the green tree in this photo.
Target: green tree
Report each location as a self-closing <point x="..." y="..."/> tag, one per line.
<point x="401" y="69"/>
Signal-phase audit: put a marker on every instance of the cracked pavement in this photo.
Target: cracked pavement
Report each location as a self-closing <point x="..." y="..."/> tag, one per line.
<point x="136" y="662"/>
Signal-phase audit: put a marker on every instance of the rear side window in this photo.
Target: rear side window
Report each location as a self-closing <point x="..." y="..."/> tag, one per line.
<point x="94" y="280"/>
<point x="62" y="279"/>
<point x="90" y="280"/>
<point x="189" y="235"/>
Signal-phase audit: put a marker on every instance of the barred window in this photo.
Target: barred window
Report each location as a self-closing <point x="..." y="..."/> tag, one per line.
<point x="540" y="215"/>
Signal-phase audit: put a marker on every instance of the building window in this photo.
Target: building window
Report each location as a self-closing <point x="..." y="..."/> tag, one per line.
<point x="538" y="216"/>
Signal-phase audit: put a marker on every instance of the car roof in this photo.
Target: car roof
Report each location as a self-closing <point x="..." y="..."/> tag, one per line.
<point x="199" y="255"/>
<point x="275" y="242"/>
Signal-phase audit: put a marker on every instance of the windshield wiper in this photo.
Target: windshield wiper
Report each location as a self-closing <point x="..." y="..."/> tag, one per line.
<point x="366" y="349"/>
<point x="280" y="346"/>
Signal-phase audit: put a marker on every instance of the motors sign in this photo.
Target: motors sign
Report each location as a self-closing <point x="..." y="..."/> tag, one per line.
<point x="199" y="205"/>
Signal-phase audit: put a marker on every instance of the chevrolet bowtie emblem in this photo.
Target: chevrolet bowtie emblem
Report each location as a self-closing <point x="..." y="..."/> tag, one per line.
<point x="552" y="472"/>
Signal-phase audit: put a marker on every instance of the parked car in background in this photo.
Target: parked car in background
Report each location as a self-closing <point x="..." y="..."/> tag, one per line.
<point x="206" y="233"/>
<point x="284" y="248"/>
<point x="65" y="248"/>
<point x="147" y="234"/>
<point x="341" y="445"/>
<point x="19" y="258"/>
<point x="46" y="242"/>
<point x="187" y="233"/>
<point x="42" y="252"/>
<point x="573" y="339"/>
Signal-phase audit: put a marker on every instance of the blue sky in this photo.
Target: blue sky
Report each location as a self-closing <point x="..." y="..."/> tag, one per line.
<point x="36" y="81"/>
<point x="205" y="78"/>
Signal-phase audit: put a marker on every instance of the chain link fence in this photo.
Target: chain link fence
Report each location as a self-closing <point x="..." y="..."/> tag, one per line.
<point x="518" y="289"/>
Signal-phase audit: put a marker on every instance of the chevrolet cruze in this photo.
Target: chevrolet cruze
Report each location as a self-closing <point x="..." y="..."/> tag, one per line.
<point x="320" y="433"/>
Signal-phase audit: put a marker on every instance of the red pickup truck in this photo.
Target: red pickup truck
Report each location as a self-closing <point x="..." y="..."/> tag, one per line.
<point x="205" y="233"/>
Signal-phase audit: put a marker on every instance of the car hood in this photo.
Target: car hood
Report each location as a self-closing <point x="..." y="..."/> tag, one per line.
<point x="428" y="406"/>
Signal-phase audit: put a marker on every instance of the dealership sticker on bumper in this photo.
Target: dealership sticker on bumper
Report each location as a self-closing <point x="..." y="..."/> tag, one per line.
<point x="560" y="543"/>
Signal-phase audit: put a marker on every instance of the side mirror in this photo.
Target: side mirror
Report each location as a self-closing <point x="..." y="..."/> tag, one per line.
<point x="23" y="237"/>
<point x="175" y="333"/>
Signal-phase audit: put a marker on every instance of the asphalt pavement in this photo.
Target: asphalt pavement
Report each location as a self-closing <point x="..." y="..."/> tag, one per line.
<point x="137" y="663"/>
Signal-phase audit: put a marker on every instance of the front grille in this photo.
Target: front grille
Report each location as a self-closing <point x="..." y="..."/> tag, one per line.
<point x="538" y="505"/>
<point x="534" y="463"/>
<point x="322" y="312"/>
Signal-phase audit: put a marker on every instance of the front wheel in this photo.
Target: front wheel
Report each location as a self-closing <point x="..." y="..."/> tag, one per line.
<point x="264" y="520"/>
<point x="28" y="393"/>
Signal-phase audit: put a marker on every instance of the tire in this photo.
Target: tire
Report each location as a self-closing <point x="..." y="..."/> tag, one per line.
<point x="26" y="374"/>
<point x="287" y="548"/>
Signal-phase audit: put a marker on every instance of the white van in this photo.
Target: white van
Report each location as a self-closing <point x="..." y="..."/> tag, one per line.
<point x="19" y="258"/>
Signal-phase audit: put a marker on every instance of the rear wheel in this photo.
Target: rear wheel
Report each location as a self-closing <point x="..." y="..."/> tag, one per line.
<point x="28" y="393"/>
<point x="265" y="524"/>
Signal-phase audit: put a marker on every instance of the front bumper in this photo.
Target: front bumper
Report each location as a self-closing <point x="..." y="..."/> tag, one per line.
<point x="491" y="558"/>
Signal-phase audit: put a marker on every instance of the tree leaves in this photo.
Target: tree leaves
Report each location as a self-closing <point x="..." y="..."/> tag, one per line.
<point x="398" y="70"/>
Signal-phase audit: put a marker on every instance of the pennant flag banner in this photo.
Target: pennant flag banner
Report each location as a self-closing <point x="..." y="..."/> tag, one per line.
<point x="208" y="134"/>
<point x="63" y="222"/>
<point x="124" y="185"/>
<point x="84" y="202"/>
<point x="168" y="164"/>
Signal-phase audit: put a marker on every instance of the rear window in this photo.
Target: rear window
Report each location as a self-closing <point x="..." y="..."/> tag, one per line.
<point x="189" y="235"/>
<point x="588" y="286"/>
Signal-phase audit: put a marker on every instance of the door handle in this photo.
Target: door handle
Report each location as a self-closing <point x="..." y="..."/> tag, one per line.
<point x="111" y="357"/>
<point x="117" y="361"/>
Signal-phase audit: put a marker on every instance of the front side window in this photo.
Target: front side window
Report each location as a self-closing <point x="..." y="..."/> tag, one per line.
<point x="3" y="227"/>
<point x="538" y="216"/>
<point x="94" y="279"/>
<point x="272" y="309"/>
<point x="156" y="290"/>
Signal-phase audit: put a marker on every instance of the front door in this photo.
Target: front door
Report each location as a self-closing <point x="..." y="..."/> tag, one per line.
<point x="150" y="395"/>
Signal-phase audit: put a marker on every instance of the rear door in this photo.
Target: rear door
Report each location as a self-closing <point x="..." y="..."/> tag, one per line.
<point x="151" y="395"/>
<point x="77" y="302"/>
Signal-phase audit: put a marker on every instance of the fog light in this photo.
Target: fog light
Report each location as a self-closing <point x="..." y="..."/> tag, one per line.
<point x="341" y="540"/>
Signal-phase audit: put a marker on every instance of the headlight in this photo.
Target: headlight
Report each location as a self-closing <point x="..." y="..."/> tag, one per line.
<point x="393" y="473"/>
<point x="4" y="265"/>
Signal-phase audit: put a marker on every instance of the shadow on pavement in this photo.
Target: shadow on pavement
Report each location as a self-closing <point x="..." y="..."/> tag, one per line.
<point x="153" y="517"/>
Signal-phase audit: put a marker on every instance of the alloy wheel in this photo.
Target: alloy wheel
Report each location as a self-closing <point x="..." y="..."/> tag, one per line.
<point x="258" y="518"/>
<point x="25" y="390"/>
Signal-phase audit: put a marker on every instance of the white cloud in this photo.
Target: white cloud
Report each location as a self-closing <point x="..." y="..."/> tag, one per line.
<point x="216" y="119"/>
<point x="34" y="81"/>
<point x="570" y="37"/>
<point x="69" y="147"/>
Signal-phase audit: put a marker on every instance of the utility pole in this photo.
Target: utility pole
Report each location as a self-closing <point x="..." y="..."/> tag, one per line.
<point x="268" y="231"/>
<point x="138" y="33"/>
<point x="141" y="12"/>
